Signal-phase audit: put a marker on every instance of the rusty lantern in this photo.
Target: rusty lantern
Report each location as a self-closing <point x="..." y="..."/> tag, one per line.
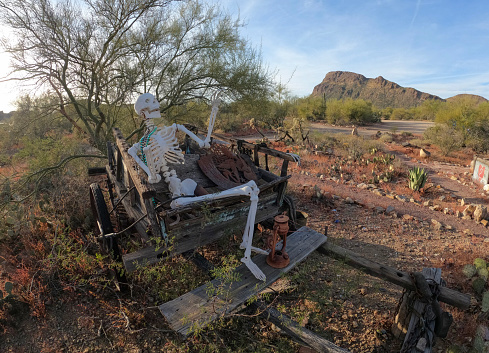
<point x="279" y="258"/>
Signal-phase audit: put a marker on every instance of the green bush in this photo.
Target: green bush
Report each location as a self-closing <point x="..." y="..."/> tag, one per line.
<point x="386" y="138"/>
<point x="446" y="138"/>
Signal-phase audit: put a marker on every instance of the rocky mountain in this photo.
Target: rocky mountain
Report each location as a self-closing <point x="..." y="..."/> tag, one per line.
<point x="381" y="92"/>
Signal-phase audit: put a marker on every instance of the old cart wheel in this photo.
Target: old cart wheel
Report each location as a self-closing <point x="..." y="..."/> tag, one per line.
<point x="102" y="216"/>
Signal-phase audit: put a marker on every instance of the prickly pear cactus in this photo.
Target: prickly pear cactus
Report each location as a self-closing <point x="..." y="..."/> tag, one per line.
<point x="485" y="302"/>
<point x="480" y="263"/>
<point x="469" y="270"/>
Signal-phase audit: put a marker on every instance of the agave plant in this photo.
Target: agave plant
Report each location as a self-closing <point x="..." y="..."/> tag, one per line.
<point x="417" y="178"/>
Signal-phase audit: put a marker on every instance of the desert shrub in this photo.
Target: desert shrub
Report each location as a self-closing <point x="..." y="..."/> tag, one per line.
<point x="322" y="141"/>
<point x="350" y="111"/>
<point x="445" y="137"/>
<point x="386" y="138"/>
<point x="419" y="142"/>
<point x="357" y="146"/>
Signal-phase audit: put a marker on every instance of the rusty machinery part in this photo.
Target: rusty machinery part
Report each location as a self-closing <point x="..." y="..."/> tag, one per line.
<point x="279" y="258"/>
<point x="224" y="168"/>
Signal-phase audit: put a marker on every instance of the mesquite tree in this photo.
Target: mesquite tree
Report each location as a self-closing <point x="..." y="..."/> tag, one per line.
<point x="96" y="56"/>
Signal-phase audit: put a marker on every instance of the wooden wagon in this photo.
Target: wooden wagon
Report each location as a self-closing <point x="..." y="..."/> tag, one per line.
<point x="147" y="206"/>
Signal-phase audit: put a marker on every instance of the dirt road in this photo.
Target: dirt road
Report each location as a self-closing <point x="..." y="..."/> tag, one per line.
<point x="414" y="127"/>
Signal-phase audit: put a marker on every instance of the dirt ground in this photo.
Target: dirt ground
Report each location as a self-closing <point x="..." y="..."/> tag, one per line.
<point x="353" y="310"/>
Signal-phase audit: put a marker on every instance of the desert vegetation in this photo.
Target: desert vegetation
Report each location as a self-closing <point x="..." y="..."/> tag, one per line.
<point x="57" y="281"/>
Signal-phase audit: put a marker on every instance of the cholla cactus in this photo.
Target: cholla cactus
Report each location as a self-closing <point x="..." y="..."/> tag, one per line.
<point x="417" y="178"/>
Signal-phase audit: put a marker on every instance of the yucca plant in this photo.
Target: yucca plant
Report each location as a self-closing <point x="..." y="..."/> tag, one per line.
<point x="417" y="178"/>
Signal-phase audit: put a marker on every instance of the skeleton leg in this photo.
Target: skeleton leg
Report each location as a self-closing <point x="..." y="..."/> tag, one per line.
<point x="247" y="241"/>
<point x="249" y="189"/>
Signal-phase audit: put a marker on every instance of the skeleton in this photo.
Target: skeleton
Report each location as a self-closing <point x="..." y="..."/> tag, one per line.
<point x="159" y="146"/>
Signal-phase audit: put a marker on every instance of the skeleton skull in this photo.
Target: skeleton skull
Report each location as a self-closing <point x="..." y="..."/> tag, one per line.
<point x="147" y="106"/>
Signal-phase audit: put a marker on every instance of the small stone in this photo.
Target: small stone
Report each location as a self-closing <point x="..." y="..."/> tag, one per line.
<point x="442" y="198"/>
<point x="449" y="227"/>
<point x="458" y="214"/>
<point x="407" y="217"/>
<point x="484" y="222"/>
<point x="362" y="186"/>
<point x="379" y="209"/>
<point x="424" y="153"/>
<point x="378" y="192"/>
<point x="462" y="202"/>
<point x="453" y="177"/>
<point x="354" y="324"/>
<point x="428" y="203"/>
<point x="467" y="218"/>
<point x="391" y="196"/>
<point x="480" y="213"/>
<point x="349" y="200"/>
<point x="469" y="210"/>
<point x="402" y="198"/>
<point x="389" y="209"/>
<point x="467" y="231"/>
<point x="363" y="291"/>
<point x="437" y="225"/>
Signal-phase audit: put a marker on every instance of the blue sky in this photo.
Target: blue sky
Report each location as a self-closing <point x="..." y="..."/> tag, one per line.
<point x="439" y="47"/>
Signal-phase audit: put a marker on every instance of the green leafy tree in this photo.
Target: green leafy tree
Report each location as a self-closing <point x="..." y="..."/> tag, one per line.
<point x="95" y="57"/>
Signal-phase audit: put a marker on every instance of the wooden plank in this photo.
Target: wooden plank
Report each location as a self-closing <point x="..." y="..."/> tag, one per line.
<point x="294" y="330"/>
<point x="447" y="295"/>
<point x="286" y="324"/>
<point x="251" y="146"/>
<point x="191" y="234"/>
<point x="144" y="189"/>
<point x="196" y="309"/>
<point x="133" y="212"/>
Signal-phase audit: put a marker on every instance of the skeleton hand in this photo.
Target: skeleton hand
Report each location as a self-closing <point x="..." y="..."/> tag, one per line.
<point x="296" y="158"/>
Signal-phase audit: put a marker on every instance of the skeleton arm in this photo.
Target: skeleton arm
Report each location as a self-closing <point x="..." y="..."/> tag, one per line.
<point x="133" y="152"/>
<point x="216" y="100"/>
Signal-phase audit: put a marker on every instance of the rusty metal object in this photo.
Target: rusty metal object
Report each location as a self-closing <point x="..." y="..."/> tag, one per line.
<point x="224" y="168"/>
<point x="279" y="258"/>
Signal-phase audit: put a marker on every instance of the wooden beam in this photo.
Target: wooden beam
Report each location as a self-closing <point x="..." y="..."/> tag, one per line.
<point x="196" y="309"/>
<point x="144" y="189"/>
<point x="447" y="295"/>
<point x="193" y="233"/>
<point x="294" y="330"/>
<point x="251" y="146"/>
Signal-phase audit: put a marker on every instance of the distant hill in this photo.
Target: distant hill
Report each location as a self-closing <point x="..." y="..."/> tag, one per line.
<point x="381" y="92"/>
<point x="470" y="97"/>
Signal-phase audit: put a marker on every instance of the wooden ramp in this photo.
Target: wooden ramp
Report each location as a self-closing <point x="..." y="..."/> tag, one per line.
<point x="196" y="309"/>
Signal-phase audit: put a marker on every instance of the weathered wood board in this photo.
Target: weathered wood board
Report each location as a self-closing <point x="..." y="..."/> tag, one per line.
<point x="192" y="234"/>
<point x="196" y="309"/>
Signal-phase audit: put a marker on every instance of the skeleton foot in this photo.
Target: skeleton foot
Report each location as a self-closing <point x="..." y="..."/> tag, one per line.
<point x="255" y="249"/>
<point x="254" y="269"/>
